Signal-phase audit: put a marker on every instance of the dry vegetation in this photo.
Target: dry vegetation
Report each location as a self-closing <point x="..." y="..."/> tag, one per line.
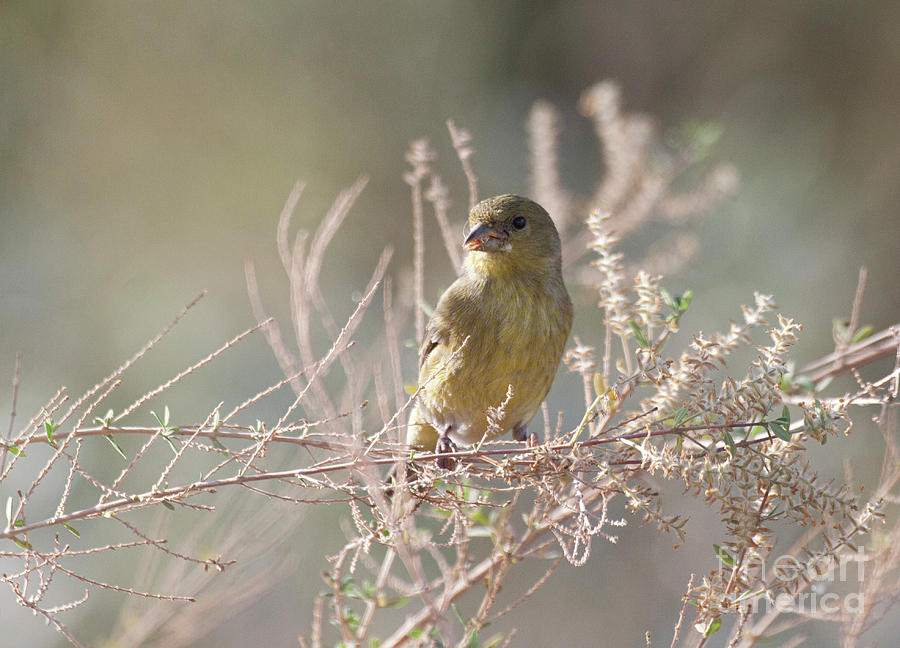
<point x="425" y="566"/>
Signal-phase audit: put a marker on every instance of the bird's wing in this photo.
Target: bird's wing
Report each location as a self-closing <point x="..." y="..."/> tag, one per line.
<point x="435" y="335"/>
<point x="442" y="328"/>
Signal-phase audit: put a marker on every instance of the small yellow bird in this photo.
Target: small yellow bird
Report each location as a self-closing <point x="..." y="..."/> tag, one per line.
<point x="502" y="324"/>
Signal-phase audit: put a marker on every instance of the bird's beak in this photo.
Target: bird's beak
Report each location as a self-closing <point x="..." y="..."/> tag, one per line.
<point x="484" y="238"/>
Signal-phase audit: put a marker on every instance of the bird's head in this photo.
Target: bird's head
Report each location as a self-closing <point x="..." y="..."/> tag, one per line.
<point x="511" y="235"/>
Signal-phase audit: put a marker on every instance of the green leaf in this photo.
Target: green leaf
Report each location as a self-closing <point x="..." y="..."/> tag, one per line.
<point x="167" y="430"/>
<point x="171" y="443"/>
<point x="71" y="529"/>
<point x="115" y="444"/>
<point x="352" y="589"/>
<point x="677" y="303"/>
<point x="639" y="335"/>
<point x="706" y="629"/>
<point x="50" y="427"/>
<point x="16" y="450"/>
<point x="723" y="555"/>
<point x="863" y="333"/>
<point x="746" y="595"/>
<point x="459" y="617"/>
<point x="493" y="642"/>
<point x="781" y="426"/>
<point x="729" y="440"/>
<point x="480" y="516"/>
<point x="352" y="619"/>
<point x="668" y="299"/>
<point x="168" y="505"/>
<point x="679" y="417"/>
<point x="785" y="415"/>
<point x="105" y="420"/>
<point x="780" y="430"/>
<point x="840" y="330"/>
<point x="398" y="602"/>
<point x="415" y="634"/>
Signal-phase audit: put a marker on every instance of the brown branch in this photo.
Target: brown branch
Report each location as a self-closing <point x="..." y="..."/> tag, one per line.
<point x="874" y="347"/>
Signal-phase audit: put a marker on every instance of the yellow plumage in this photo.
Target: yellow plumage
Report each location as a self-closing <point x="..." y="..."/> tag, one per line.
<point x="503" y="322"/>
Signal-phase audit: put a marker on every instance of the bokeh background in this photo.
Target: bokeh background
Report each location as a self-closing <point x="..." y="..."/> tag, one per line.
<point x="146" y="150"/>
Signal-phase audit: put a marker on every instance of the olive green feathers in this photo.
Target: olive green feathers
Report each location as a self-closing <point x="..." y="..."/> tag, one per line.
<point x="503" y="323"/>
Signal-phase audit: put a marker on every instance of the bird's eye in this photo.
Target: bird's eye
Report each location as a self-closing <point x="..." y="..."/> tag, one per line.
<point x="519" y="222"/>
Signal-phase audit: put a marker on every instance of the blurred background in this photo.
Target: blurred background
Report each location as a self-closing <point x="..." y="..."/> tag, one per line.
<point x="146" y="150"/>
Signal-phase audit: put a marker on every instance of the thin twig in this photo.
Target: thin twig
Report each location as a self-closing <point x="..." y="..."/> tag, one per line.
<point x="12" y="411"/>
<point x="462" y="143"/>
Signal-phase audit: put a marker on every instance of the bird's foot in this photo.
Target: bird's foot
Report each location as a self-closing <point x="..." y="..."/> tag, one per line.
<point x="520" y="433"/>
<point x="445" y="445"/>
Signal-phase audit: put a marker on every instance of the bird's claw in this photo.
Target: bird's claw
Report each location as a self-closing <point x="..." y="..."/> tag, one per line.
<point x="520" y="432"/>
<point x="444" y="446"/>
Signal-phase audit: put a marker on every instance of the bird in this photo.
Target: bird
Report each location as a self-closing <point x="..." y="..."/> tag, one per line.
<point x="495" y="339"/>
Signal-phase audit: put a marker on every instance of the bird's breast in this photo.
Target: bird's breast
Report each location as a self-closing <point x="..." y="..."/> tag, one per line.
<point x="502" y="335"/>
